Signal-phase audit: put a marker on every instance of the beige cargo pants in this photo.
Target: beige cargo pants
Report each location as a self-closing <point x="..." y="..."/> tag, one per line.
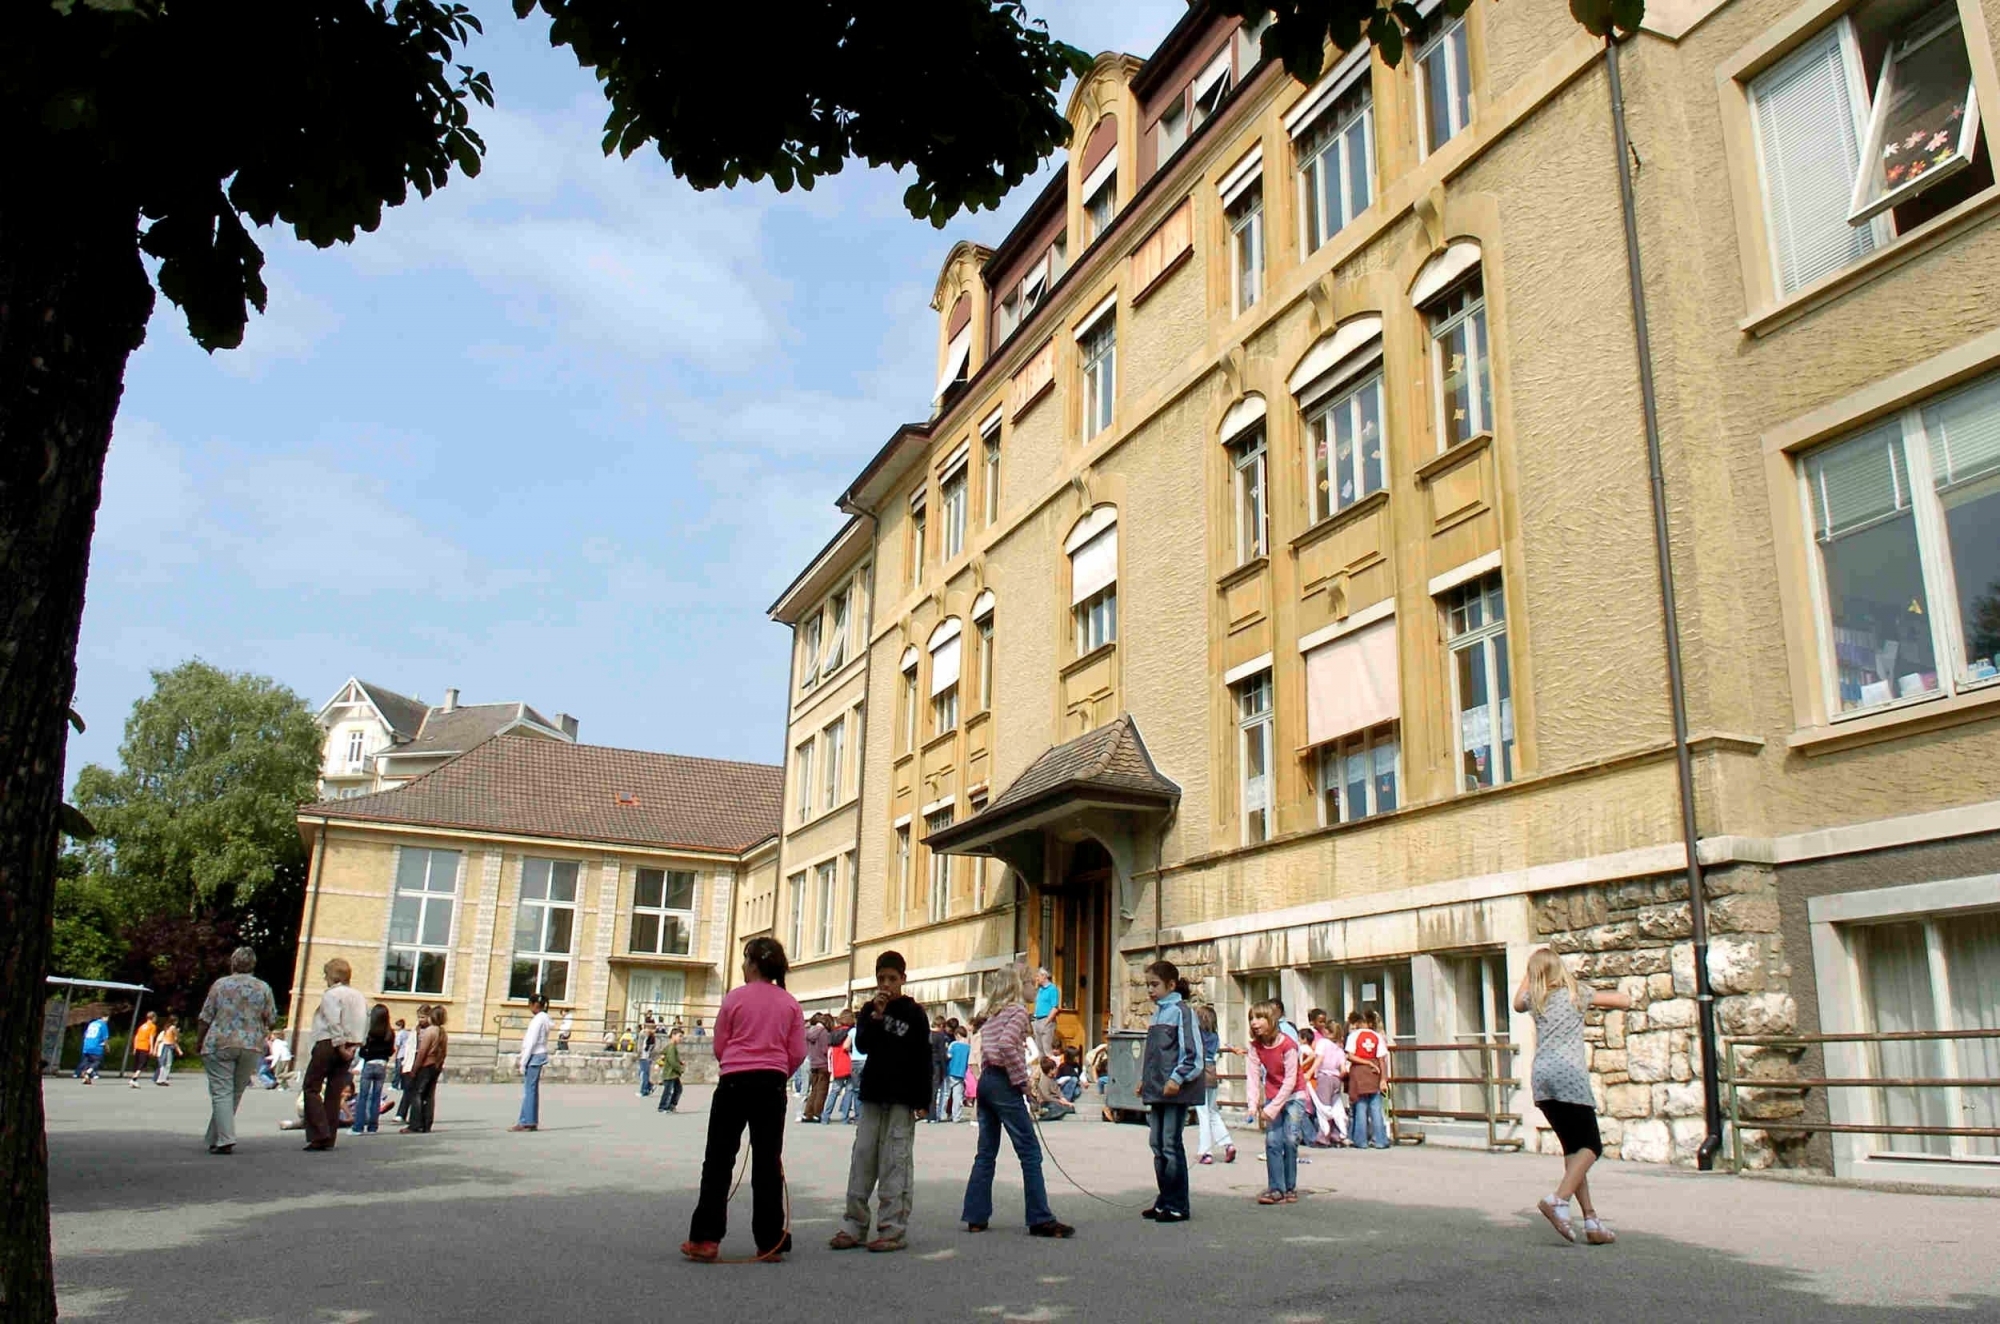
<point x="885" y="1140"/>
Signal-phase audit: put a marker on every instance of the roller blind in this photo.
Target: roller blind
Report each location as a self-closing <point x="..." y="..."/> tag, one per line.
<point x="1094" y="565"/>
<point x="944" y="665"/>
<point x="956" y="356"/>
<point x="1809" y="149"/>
<point x="1351" y="683"/>
<point x="1858" y="481"/>
<point x="1964" y="431"/>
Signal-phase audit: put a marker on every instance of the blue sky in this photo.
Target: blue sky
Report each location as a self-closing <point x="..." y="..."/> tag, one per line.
<point x="560" y="433"/>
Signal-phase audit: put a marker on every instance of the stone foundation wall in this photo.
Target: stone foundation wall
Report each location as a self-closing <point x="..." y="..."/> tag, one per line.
<point x="1635" y="937"/>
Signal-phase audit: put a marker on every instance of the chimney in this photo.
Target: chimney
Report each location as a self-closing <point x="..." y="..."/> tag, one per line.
<point x="567" y="725"/>
<point x="450" y="701"/>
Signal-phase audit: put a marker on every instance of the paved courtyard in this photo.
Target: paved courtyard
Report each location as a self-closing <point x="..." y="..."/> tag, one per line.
<point x="581" y="1222"/>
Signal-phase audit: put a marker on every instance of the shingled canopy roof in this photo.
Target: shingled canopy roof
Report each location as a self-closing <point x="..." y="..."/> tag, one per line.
<point x="546" y="788"/>
<point x="1108" y="767"/>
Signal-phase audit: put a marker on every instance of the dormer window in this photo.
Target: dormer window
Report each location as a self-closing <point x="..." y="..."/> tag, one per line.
<point x="1173" y="130"/>
<point x="1209" y="91"/>
<point x="1098" y="190"/>
<point x="1099" y="207"/>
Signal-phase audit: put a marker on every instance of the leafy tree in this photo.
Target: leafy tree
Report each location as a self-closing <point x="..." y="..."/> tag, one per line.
<point x="163" y="131"/>
<point x="85" y="944"/>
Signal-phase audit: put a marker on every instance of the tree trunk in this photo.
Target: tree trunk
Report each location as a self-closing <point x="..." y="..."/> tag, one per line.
<point x="74" y="300"/>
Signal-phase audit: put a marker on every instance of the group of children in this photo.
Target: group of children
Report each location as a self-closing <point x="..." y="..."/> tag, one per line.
<point x="155" y="1045"/>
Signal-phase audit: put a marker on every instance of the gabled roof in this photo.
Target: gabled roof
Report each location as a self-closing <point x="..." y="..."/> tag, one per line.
<point x="403" y="715"/>
<point x="1108" y="766"/>
<point x="460" y="729"/>
<point x="549" y="788"/>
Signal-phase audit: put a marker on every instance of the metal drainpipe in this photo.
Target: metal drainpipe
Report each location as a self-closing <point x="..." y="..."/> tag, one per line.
<point x="305" y="940"/>
<point x="861" y="758"/>
<point x="1676" y="683"/>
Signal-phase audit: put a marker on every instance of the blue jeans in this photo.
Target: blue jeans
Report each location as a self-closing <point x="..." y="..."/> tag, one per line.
<point x="1069" y="1087"/>
<point x="531" y="1090"/>
<point x="1371" y="1127"/>
<point x="645" y="1076"/>
<point x="368" y="1097"/>
<point x="670" y="1094"/>
<point x="1164" y="1124"/>
<point x="1281" y="1147"/>
<point x="850" y="1102"/>
<point x="1001" y="1105"/>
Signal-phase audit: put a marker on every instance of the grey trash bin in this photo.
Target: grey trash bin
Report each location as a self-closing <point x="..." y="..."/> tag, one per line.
<point x="1124" y="1060"/>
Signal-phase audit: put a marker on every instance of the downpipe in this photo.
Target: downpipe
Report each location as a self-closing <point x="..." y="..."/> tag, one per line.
<point x="1711" y="1088"/>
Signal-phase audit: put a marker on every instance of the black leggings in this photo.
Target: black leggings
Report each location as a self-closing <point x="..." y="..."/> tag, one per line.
<point x="1575" y="1124"/>
<point x="756" y="1099"/>
<point x="424" y="1111"/>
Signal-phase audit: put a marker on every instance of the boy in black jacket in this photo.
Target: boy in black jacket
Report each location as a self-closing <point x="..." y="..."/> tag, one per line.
<point x="895" y="1095"/>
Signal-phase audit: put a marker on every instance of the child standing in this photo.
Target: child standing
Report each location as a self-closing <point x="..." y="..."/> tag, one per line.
<point x="167" y="1047"/>
<point x="1170" y="1082"/>
<point x="1364" y="1082"/>
<point x="1210" y="1130"/>
<point x="670" y="1072"/>
<point x="896" y="1093"/>
<point x="840" y="1065"/>
<point x="760" y="1039"/>
<point x="142" y="1046"/>
<point x="957" y="1059"/>
<point x="1003" y="1085"/>
<point x="1273" y="1067"/>
<point x="1562" y="1086"/>
<point x="376" y="1050"/>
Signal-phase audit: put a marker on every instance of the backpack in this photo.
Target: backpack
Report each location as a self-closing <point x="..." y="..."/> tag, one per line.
<point x="840" y="1061"/>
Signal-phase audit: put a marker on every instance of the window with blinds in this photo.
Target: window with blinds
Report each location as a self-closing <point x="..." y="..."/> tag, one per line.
<point x="1905" y="518"/>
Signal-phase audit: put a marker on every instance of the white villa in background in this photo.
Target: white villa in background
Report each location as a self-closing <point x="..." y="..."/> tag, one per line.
<point x="377" y="739"/>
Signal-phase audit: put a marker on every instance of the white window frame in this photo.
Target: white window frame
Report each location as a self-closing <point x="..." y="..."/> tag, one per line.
<point x="1256" y="728"/>
<point x="811" y="635"/>
<point x="1251" y="488"/>
<point x="542" y="955"/>
<point x="1246" y="248"/>
<point x="426" y="897"/>
<point x="944" y="711"/>
<point x="1332" y="156"/>
<point x="918" y="529"/>
<point x="357" y="748"/>
<point x="1209" y="92"/>
<point x="976" y="805"/>
<point x="1866" y="203"/>
<point x="1322" y="443"/>
<point x="1490" y="640"/>
<point x="939" y="904"/>
<point x="1097" y="620"/>
<point x="1099" y="350"/>
<point x="797" y="935"/>
<point x="837" y="614"/>
<point x="1440" y="325"/>
<point x="662" y="913"/>
<point x="902" y="868"/>
<point x="910" y="707"/>
<point x="983" y="631"/>
<point x="1454" y="42"/>
<point x="1330" y="761"/>
<point x="1100" y="208"/>
<point x="833" y="761"/>
<point x="802" y="766"/>
<point x="953" y="493"/>
<point x="989" y="444"/>
<point x="1957" y="673"/>
<point x="826" y="886"/>
<point x="1171" y="130"/>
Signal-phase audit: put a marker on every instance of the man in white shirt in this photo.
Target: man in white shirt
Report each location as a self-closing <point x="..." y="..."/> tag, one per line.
<point x="278" y="1056"/>
<point x="338" y="1027"/>
<point x="534" y="1056"/>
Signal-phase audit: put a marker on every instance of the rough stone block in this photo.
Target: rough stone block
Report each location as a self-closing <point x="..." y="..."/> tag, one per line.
<point x="1551" y="914"/>
<point x="1634" y="987"/>
<point x="1563" y="942"/>
<point x="1628" y="1101"/>
<point x="1743" y="913"/>
<point x="1610" y="1130"/>
<point x="1683" y="969"/>
<point x="1678" y="1067"/>
<point x="1611" y="937"/>
<point x="1662" y="923"/>
<point x="1674" y="1013"/>
<point x="1688" y="1133"/>
<point x="1649" y="961"/>
<point x="1648" y="1056"/>
<point x="1757" y="1151"/>
<point x="1757" y="1014"/>
<point x="1614" y="1029"/>
<point x="1605" y="1061"/>
<point x="1679" y="1100"/>
<point x="1660" y="985"/>
<point x="1736" y="965"/>
<point x="1635" y="1022"/>
<point x="1588" y="906"/>
<point x="1647" y="1140"/>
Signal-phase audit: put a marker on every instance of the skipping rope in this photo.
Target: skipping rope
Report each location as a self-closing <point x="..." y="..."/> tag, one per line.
<point x="1035" y="1117"/>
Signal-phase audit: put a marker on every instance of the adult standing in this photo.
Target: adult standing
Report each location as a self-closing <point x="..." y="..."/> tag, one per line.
<point x="142" y="1046"/>
<point x="1003" y="1086"/>
<point x="235" y="1020"/>
<point x="1047" y="999"/>
<point x="534" y="1056"/>
<point x="338" y="1027"/>
<point x="760" y="1039"/>
<point x="816" y="1046"/>
<point x="433" y="1045"/>
<point x="406" y="1066"/>
<point x="376" y="1050"/>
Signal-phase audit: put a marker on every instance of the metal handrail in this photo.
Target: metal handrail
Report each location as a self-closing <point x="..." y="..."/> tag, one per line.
<point x="1493" y="1087"/>
<point x="1735" y="1082"/>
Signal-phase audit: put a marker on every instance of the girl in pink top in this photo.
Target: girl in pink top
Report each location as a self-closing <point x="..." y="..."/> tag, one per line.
<point x="760" y="1039"/>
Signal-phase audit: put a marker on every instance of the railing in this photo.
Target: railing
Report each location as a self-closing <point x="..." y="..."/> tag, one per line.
<point x="1494" y="1084"/>
<point x="588" y="1036"/>
<point x="1736" y="1084"/>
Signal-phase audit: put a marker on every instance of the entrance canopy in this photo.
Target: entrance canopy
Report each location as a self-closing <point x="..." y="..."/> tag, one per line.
<point x="1102" y="784"/>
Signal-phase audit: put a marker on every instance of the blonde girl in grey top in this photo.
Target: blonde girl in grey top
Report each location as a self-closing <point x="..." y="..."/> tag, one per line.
<point x="1561" y="1080"/>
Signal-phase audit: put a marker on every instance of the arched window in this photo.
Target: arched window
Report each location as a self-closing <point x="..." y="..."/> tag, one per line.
<point x="1092" y="548"/>
<point x="982" y="627"/>
<point x="909" y="715"/>
<point x="944" y="649"/>
<point x="1242" y="436"/>
<point x="1338" y="385"/>
<point x="1450" y="291"/>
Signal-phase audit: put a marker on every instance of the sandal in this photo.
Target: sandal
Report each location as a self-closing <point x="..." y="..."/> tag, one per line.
<point x="843" y="1240"/>
<point x="1205" y="1159"/>
<point x="1558" y="1216"/>
<point x="1597" y="1234"/>
<point x="1229" y="1153"/>
<point x="1271" y="1197"/>
<point x="1291" y="1197"/>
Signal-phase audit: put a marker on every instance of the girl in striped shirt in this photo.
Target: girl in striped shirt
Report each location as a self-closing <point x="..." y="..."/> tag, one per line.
<point x="1003" y="1084"/>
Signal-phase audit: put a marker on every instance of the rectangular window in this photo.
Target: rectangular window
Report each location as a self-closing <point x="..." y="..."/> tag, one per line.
<point x="1461" y="363"/>
<point x="826" y="884"/>
<point x="1246" y="249"/>
<point x="952" y="499"/>
<point x="1173" y="129"/>
<point x="1097" y="620"/>
<point x="944" y="710"/>
<point x="989" y="442"/>
<point x="795" y="939"/>
<point x="833" y="769"/>
<point x="837" y="630"/>
<point x="985" y="630"/>
<point x="940" y="899"/>
<point x="910" y="709"/>
<point x="1246" y="458"/>
<point x="980" y="865"/>
<point x="662" y="912"/>
<point x="1336" y="156"/>
<point x="420" y="921"/>
<point x="544" y="929"/>
<point x="1357" y="775"/>
<point x="1253" y="735"/>
<point x="917" y="530"/>
<point x="903" y="868"/>
<point x="1099" y="208"/>
<point x="356" y="742"/>
<point x="1476" y="621"/>
<point x="1100" y="356"/>
<point x="1444" y="84"/>
<point x="809" y="651"/>
<point x="1208" y="93"/>
<point x="1843" y="173"/>
<point x="1906" y="524"/>
<point x="1346" y="441"/>
<point x="802" y="772"/>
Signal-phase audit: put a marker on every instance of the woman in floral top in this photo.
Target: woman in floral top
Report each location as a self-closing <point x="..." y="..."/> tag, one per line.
<point x="236" y="1018"/>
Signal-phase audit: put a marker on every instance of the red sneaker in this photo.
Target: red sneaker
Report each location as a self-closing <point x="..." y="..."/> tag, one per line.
<point x="701" y="1252"/>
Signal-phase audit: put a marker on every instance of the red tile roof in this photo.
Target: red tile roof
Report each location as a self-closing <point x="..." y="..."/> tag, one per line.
<point x="547" y="788"/>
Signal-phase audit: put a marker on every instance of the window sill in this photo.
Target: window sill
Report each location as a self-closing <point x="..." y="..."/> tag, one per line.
<point x="1094" y="655"/>
<point x="1903" y="719"/>
<point x="940" y="740"/>
<point x="659" y="958"/>
<point x="1250" y="569"/>
<point x="1340" y="519"/>
<point x="1881" y="262"/>
<point x="1445" y="461"/>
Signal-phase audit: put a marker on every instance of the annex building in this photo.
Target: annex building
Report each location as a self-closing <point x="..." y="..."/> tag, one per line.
<point x="1274" y="584"/>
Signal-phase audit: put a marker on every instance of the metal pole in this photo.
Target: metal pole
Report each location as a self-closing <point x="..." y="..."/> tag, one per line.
<point x="305" y="940"/>
<point x="1676" y="684"/>
<point x="130" y="1031"/>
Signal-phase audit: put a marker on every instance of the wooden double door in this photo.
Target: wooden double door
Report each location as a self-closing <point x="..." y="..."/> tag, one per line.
<point x="1074" y="939"/>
